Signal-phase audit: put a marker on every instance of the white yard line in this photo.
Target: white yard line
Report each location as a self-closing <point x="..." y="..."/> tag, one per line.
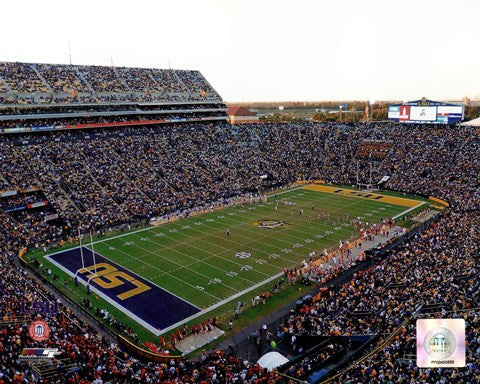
<point x="164" y="273"/>
<point x="181" y="266"/>
<point x="173" y="221"/>
<point x="229" y="298"/>
<point x="224" y="301"/>
<point x="203" y="251"/>
<point x="241" y="223"/>
<point x="112" y="302"/>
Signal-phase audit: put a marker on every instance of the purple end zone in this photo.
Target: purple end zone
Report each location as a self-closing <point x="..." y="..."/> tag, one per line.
<point x="156" y="307"/>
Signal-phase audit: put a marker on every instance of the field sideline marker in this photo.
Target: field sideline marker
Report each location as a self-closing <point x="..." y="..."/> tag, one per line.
<point x="408" y="210"/>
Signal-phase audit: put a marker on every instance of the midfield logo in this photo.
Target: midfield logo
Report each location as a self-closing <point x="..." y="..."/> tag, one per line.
<point x="269" y="223"/>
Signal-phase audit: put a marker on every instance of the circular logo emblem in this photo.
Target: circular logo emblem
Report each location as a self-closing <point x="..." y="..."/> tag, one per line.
<point x="39" y="330"/>
<point x="269" y="223"/>
<point x="440" y="343"/>
<point x="243" y="255"/>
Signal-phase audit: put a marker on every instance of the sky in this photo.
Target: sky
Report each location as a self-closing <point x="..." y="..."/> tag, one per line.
<point x="265" y="50"/>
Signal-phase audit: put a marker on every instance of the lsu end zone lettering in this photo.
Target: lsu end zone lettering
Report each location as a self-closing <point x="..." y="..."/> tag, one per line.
<point x="108" y="277"/>
<point x="364" y="195"/>
<point x="148" y="304"/>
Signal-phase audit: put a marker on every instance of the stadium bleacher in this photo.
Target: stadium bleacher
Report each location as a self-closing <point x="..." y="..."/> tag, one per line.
<point x="28" y="83"/>
<point x="99" y="177"/>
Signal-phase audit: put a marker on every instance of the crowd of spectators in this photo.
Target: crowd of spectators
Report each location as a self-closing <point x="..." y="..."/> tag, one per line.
<point x="85" y="356"/>
<point x="24" y="83"/>
<point x="436" y="269"/>
<point x="100" y="178"/>
<point x="395" y="362"/>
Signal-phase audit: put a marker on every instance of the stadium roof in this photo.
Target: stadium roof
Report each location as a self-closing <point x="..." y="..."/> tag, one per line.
<point x="472" y="123"/>
<point x="425" y="101"/>
<point x="240" y="111"/>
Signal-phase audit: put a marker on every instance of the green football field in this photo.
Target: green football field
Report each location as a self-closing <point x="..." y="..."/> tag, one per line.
<point x="195" y="259"/>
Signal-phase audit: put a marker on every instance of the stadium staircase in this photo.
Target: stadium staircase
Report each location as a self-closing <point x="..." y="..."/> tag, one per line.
<point x="152" y="170"/>
<point x="163" y="94"/>
<point x="62" y="202"/>
<point x="255" y="138"/>
<point x="48" y="371"/>
<point x="87" y="168"/>
<point x="183" y="95"/>
<point x="82" y="77"/>
<point x="4" y="83"/>
<point x="66" y="190"/>
<point x="408" y="358"/>
<point x="3" y="179"/>
<point x="120" y="78"/>
<point x="34" y="68"/>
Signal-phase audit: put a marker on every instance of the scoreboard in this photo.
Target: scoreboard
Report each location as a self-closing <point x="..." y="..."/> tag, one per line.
<point x="426" y="111"/>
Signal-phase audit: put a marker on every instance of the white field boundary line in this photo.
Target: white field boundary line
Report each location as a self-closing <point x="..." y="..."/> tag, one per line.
<point x="131" y="257"/>
<point x="303" y="232"/>
<point x="408" y="210"/>
<point x="208" y="253"/>
<point x="143" y="323"/>
<point x="298" y="253"/>
<point x="224" y="301"/>
<point x="246" y="244"/>
<point x="181" y="266"/>
<point x="361" y="197"/>
<point x="242" y="223"/>
<point x="288" y="244"/>
<point x="190" y="269"/>
<point x="133" y="273"/>
<point x="239" y="294"/>
<point x="202" y="312"/>
<point x="150" y="227"/>
<point x="228" y="299"/>
<point x="197" y="230"/>
<point x="170" y="222"/>
<point x="172" y="248"/>
<point x="173" y="326"/>
<point x="162" y="272"/>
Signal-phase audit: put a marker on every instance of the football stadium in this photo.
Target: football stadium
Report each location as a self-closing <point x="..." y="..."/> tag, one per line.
<point x="154" y="231"/>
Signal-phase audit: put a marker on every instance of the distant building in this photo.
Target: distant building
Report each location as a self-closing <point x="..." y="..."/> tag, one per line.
<point x="241" y="115"/>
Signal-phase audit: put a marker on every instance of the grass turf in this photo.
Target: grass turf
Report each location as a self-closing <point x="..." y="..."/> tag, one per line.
<point x="195" y="259"/>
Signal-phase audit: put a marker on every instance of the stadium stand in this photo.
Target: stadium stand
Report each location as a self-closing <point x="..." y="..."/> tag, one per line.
<point x="54" y="181"/>
<point x="25" y="83"/>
